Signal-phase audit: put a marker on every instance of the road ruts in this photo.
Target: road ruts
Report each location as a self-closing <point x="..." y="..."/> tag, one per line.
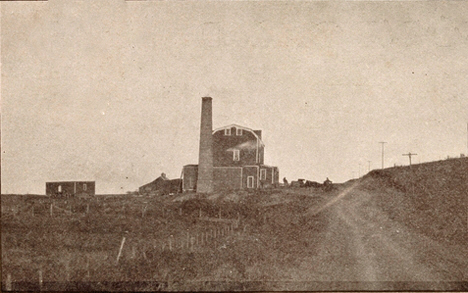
<point x="363" y="249"/>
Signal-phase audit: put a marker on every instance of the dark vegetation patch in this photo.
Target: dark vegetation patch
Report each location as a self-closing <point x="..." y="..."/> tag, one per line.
<point x="431" y="197"/>
<point x="75" y="244"/>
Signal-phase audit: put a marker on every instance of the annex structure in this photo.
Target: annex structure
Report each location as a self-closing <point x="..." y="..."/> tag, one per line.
<point x="70" y="188"/>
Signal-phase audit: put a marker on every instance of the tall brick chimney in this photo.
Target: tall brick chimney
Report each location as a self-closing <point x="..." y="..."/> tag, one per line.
<point x="205" y="159"/>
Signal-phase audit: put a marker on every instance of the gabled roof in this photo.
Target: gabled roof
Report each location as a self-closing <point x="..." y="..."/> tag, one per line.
<point x="243" y="129"/>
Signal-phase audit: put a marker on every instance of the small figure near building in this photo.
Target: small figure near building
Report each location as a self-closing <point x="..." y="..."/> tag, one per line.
<point x="327" y="185"/>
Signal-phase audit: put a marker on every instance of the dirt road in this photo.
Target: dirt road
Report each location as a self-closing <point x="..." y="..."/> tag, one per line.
<point x="363" y="249"/>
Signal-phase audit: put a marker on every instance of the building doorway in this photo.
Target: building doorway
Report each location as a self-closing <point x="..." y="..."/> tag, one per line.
<point x="250" y="182"/>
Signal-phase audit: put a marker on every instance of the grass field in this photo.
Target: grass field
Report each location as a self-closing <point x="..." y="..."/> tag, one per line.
<point x="194" y="243"/>
<point x="431" y="198"/>
<point x="260" y="240"/>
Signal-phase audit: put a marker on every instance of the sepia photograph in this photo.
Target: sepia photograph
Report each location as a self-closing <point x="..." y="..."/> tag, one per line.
<point x="234" y="145"/>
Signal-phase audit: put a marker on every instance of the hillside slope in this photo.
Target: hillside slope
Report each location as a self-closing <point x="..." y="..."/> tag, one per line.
<point x="430" y="198"/>
<point x="398" y="229"/>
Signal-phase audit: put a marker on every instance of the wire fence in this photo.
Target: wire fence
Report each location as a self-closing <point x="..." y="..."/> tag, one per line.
<point x="82" y="270"/>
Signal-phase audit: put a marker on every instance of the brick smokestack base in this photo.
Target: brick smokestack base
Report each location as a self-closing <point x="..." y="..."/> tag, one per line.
<point x="205" y="159"/>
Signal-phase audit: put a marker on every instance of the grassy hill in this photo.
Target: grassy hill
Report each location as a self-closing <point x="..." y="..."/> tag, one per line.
<point x="173" y="243"/>
<point x="431" y="197"/>
<point x="227" y="241"/>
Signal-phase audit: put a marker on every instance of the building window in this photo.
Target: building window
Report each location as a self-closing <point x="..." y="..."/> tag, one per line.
<point x="238" y="131"/>
<point x="227" y="131"/>
<point x="250" y="182"/>
<point x="236" y="155"/>
<point x="263" y="174"/>
<point x="85" y="187"/>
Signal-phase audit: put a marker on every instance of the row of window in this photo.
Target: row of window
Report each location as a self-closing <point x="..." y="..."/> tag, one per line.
<point x="227" y="131"/>
<point x="236" y="157"/>
<point x="85" y="187"/>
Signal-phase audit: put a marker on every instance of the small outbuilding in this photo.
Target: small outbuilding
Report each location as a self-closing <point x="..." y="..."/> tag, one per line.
<point x="161" y="186"/>
<point x="70" y="188"/>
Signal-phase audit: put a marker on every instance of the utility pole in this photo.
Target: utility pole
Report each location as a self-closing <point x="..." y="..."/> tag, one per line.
<point x="409" y="156"/>
<point x="383" y="152"/>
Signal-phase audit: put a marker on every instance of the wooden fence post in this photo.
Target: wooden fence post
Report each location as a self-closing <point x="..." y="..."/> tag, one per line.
<point x="143" y="212"/>
<point x="170" y="243"/>
<point x="40" y="278"/>
<point x="67" y="270"/>
<point x="87" y="267"/>
<point x="8" y="283"/>
<point x="120" y="250"/>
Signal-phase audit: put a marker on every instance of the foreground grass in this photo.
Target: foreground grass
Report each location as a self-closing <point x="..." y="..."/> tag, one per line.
<point x="192" y="244"/>
<point x="229" y="241"/>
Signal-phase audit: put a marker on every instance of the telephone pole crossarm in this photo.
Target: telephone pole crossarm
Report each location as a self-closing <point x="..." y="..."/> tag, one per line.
<point x="409" y="156"/>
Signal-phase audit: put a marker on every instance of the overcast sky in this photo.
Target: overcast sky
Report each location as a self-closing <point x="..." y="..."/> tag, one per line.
<point x="111" y="90"/>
